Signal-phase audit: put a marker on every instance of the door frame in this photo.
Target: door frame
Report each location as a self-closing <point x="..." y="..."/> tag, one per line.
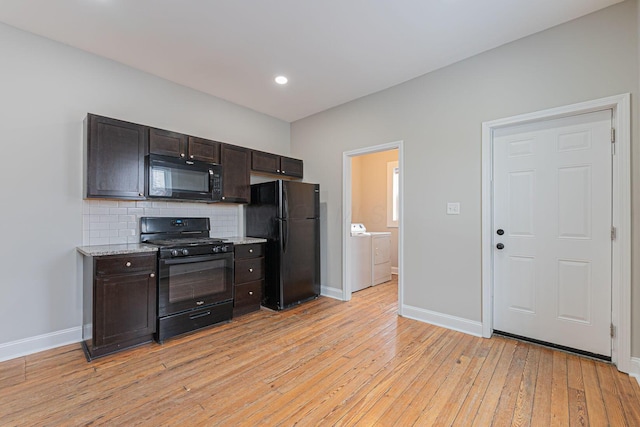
<point x="346" y="215"/>
<point x="621" y="215"/>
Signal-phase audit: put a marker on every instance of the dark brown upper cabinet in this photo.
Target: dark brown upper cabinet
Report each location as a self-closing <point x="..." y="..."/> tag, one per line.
<point x="236" y="173"/>
<point x="204" y="150"/>
<point x="291" y="167"/>
<point x="114" y="162"/>
<point x="174" y="144"/>
<point x="274" y="164"/>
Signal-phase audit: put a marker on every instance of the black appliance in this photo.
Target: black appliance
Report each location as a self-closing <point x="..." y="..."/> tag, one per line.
<point x="286" y="213"/>
<point x="195" y="274"/>
<point x="174" y="178"/>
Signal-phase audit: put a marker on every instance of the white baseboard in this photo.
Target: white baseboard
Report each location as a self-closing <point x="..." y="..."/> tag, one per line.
<point x="394" y="270"/>
<point x="335" y="293"/>
<point x="446" y="321"/>
<point x="31" y="345"/>
<point x="635" y="368"/>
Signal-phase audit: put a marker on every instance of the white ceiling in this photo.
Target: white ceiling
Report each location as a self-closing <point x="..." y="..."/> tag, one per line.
<point x="332" y="51"/>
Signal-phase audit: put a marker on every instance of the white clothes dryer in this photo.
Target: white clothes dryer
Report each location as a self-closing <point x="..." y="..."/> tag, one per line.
<point x="381" y="257"/>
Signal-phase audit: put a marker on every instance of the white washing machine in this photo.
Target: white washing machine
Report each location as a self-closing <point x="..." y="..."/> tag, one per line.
<point x="370" y="257"/>
<point x="360" y="258"/>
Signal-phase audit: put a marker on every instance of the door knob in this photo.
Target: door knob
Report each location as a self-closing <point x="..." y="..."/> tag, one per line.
<point x="500" y="246"/>
<point x="500" y="231"/>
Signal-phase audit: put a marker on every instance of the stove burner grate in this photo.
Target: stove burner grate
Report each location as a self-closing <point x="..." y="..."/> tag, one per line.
<point x="188" y="241"/>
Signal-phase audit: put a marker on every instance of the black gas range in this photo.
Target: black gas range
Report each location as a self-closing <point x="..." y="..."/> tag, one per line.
<point x="195" y="274"/>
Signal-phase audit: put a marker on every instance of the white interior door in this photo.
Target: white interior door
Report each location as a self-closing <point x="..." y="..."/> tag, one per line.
<point x="552" y="199"/>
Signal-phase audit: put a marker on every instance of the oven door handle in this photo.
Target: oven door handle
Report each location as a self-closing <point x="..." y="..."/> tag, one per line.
<point x="192" y="259"/>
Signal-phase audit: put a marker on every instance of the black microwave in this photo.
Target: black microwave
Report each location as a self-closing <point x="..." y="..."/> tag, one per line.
<point x="181" y="179"/>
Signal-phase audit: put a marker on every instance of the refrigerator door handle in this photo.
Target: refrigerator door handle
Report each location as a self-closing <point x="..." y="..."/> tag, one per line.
<point x="285" y="234"/>
<point x="285" y="203"/>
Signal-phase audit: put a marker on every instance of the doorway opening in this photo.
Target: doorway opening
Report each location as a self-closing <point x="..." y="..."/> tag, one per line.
<point x="372" y="197"/>
<point x="620" y="270"/>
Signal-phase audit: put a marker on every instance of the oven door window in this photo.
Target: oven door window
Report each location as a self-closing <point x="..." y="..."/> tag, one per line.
<point x="192" y="281"/>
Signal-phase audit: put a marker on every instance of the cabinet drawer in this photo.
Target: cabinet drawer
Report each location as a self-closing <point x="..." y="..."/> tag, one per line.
<point x="123" y="264"/>
<point x="249" y="270"/>
<point x="247" y="298"/>
<point x="254" y="250"/>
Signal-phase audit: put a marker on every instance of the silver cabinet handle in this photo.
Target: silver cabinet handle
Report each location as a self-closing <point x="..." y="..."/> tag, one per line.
<point x="251" y="270"/>
<point x="199" y="302"/>
<point x="283" y="172"/>
<point x="141" y="194"/>
<point x="128" y="264"/>
<point x="152" y="275"/>
<point x="250" y="292"/>
<point x="278" y="170"/>
<point x="250" y="251"/>
<point x="191" y="156"/>
<point x="181" y="154"/>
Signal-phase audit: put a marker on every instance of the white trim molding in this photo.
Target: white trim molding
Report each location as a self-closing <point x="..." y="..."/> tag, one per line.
<point x="621" y="215"/>
<point x="635" y="368"/>
<point x="346" y="215"/>
<point x="31" y="345"/>
<point x="444" y="320"/>
<point x="335" y="293"/>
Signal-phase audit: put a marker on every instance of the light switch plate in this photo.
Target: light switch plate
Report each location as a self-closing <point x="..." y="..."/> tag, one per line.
<point x="453" y="208"/>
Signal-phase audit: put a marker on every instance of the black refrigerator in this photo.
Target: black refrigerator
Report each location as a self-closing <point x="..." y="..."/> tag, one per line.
<point x="286" y="213"/>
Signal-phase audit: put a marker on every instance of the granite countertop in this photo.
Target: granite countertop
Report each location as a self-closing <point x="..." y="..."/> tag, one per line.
<point x="239" y="240"/>
<point x="131" y="248"/>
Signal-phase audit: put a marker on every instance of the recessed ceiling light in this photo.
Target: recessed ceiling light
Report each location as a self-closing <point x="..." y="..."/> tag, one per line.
<point x="282" y="80"/>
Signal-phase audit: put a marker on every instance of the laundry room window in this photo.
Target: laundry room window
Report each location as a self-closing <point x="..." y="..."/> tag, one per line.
<point x="393" y="194"/>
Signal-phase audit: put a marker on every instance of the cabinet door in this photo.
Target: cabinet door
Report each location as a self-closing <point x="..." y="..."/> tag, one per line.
<point x="265" y="162"/>
<point x="114" y="161"/>
<point x="291" y="167"/>
<point x="125" y="307"/>
<point x="167" y="143"/>
<point x="236" y="172"/>
<point x="204" y="150"/>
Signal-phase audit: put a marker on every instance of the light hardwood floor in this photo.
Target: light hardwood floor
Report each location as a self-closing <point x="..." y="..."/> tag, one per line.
<point x="325" y="362"/>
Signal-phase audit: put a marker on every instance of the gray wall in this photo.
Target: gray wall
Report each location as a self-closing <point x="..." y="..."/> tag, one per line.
<point x="439" y="116"/>
<point x="46" y="91"/>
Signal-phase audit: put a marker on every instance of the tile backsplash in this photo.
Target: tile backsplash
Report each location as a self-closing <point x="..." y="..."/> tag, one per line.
<point x="107" y="222"/>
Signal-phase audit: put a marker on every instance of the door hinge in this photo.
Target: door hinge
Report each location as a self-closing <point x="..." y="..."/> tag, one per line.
<point x="613" y="141"/>
<point x="613" y="233"/>
<point x="613" y="331"/>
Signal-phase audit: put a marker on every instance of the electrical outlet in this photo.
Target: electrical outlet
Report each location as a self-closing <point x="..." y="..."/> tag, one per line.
<point x="453" y="208"/>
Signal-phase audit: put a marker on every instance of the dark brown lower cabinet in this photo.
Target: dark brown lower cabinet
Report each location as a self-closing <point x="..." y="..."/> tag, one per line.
<point x="249" y="278"/>
<point x="119" y="302"/>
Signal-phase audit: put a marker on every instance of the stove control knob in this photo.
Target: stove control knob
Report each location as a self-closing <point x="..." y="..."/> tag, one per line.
<point x="174" y="253"/>
<point x="225" y="248"/>
<point x="185" y="252"/>
<point x="216" y="249"/>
